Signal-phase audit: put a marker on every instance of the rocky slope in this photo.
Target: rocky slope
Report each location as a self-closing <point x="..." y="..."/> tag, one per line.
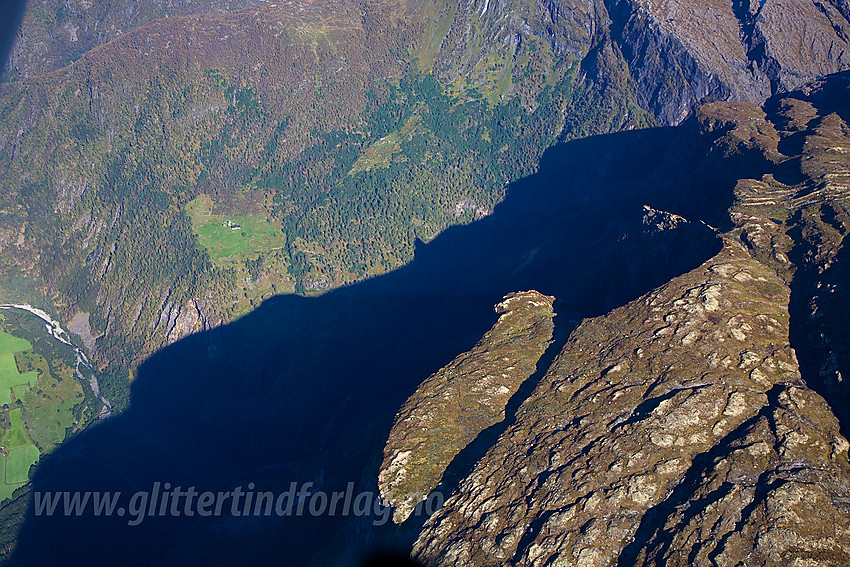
<point x="678" y="54"/>
<point x="681" y="428"/>
<point x="321" y="120"/>
<point x="461" y="400"/>
<point x="681" y="56"/>
<point x="54" y="34"/>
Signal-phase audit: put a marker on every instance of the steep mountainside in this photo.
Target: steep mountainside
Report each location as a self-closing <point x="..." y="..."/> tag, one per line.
<point x="304" y="390"/>
<point x="680" y="54"/>
<point x="681" y="428"/>
<point x="168" y="166"/>
<point x="107" y="153"/>
<point x="54" y="34"/>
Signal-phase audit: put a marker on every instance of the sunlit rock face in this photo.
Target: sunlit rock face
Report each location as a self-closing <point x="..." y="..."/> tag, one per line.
<point x="701" y="423"/>
<point x="462" y="399"/>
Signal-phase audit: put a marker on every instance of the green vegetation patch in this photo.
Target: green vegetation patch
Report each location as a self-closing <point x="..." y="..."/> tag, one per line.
<point x="21" y="390"/>
<point x="18" y="463"/>
<point x="231" y="239"/>
<point x="9" y="375"/>
<point x="16" y="435"/>
<point x="49" y="399"/>
<point x="21" y="454"/>
<point x="49" y="406"/>
<point x="10" y="344"/>
<point x="379" y="154"/>
<point x="439" y="15"/>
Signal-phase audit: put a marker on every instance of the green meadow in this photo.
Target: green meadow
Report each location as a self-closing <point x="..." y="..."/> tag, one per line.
<point x="9" y="375"/>
<point x="20" y="455"/>
<point x="49" y="404"/>
<point x="18" y="464"/>
<point x="44" y="396"/>
<point x="228" y="246"/>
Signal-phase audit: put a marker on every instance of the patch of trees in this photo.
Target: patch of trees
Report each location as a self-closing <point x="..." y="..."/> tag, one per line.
<point x="456" y="152"/>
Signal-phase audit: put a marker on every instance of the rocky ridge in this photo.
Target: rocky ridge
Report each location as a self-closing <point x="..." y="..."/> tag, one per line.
<point x="117" y="94"/>
<point x="681" y="55"/>
<point x="678" y="428"/>
<point x="462" y="399"/>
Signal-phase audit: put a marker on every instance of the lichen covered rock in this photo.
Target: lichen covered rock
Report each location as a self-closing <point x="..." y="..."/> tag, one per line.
<point x="678" y="429"/>
<point x="467" y="396"/>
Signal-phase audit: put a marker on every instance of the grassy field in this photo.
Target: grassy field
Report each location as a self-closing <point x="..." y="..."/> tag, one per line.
<point x="49" y="405"/>
<point x="21" y="452"/>
<point x="38" y="380"/>
<point x="440" y="15"/>
<point x="9" y="375"/>
<point x="228" y="246"/>
<point x="21" y="390"/>
<point x="11" y="344"/>
<point x="379" y="154"/>
<point x="258" y="240"/>
<point x="15" y="436"/>
<point x="18" y="463"/>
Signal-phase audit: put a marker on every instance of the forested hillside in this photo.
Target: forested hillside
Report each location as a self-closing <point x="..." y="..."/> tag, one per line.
<point x="168" y="168"/>
<point x="278" y="218"/>
<point x="314" y="118"/>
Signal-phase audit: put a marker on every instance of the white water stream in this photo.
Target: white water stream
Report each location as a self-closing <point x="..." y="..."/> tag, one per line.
<point x="55" y="329"/>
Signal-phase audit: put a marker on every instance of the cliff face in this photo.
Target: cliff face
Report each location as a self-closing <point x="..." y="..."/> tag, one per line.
<point x="681" y="428"/>
<point x="681" y="55"/>
<point x="678" y="54"/>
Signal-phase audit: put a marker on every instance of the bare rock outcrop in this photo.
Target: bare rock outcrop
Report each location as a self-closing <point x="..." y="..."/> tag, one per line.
<point x="462" y="399"/>
<point x="188" y="319"/>
<point x="681" y="54"/>
<point x="678" y="429"/>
